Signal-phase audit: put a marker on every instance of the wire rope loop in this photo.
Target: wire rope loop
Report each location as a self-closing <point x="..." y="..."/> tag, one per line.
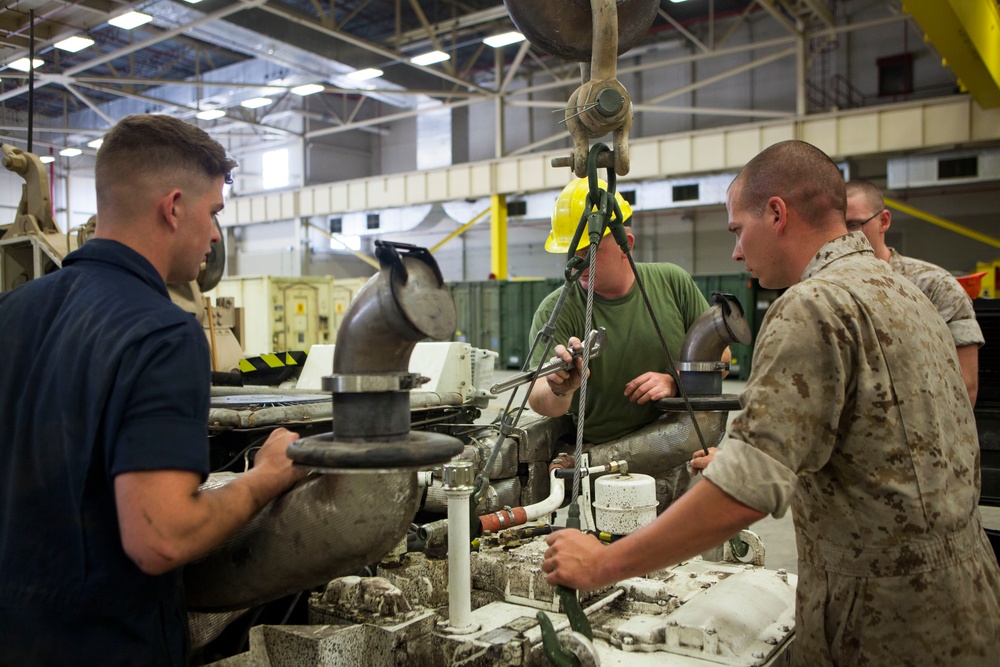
<point x="574" y="268"/>
<point x="612" y="177"/>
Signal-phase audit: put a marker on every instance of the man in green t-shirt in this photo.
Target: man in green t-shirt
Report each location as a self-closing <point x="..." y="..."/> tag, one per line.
<point x="630" y="374"/>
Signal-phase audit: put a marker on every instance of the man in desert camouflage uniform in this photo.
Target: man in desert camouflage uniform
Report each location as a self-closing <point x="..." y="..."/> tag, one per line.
<point x="855" y="415"/>
<point x="866" y="212"/>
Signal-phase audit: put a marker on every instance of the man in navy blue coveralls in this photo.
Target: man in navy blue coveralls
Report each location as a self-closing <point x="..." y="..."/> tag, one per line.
<point x="103" y="419"/>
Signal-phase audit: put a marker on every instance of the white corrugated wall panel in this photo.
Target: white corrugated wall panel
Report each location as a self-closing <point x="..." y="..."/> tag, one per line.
<point x="772" y="134"/>
<point x="856" y="135"/>
<point x="947" y="124"/>
<point x="708" y="151"/>
<point x="821" y="133"/>
<point x="741" y="146"/>
<point x="675" y="156"/>
<point x="394" y="190"/>
<point x="416" y="187"/>
<point x="506" y="177"/>
<point x="645" y="158"/>
<point x="897" y="130"/>
<point x="459" y="182"/>
<point x="437" y="185"/>
<point x="357" y="196"/>
<point x="985" y="123"/>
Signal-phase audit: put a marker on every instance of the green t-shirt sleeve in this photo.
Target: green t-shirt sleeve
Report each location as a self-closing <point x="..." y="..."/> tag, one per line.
<point x="692" y="302"/>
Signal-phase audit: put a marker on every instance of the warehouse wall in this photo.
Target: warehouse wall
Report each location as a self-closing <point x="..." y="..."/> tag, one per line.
<point x="974" y="208"/>
<point x="83" y="199"/>
<point x="696" y="239"/>
<point x="341" y="157"/>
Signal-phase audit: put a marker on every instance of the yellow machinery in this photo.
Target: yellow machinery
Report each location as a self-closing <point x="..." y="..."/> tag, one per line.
<point x="33" y="246"/>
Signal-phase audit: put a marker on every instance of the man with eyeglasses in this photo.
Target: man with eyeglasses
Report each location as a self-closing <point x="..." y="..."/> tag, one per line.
<point x="866" y="212"/>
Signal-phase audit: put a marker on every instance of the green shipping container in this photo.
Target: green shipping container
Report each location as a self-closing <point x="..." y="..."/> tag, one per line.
<point x="519" y="300"/>
<point x="496" y="315"/>
<point x="477" y="305"/>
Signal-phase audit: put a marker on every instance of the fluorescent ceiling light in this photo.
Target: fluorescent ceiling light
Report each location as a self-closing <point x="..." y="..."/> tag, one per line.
<point x="677" y="2"/>
<point x="496" y="41"/>
<point x="256" y="102"/>
<point x="74" y="44"/>
<point x="96" y="143"/>
<point x="192" y="2"/>
<point x="430" y="58"/>
<point x="307" y="89"/>
<point x="210" y="114"/>
<point x="365" y="74"/>
<point x="21" y="64"/>
<point x="130" y="20"/>
<point x="70" y="152"/>
<point x="45" y="159"/>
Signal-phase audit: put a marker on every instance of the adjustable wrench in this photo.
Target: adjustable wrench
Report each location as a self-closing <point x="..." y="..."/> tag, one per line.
<point x="595" y="342"/>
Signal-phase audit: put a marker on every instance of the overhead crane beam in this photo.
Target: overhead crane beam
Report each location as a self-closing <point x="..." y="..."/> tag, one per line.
<point x="967" y="34"/>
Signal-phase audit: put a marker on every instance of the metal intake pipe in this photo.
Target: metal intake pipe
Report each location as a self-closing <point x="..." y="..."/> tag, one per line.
<point x="403" y="304"/>
<point x="700" y="368"/>
<point x="335" y="523"/>
<point x="326" y="527"/>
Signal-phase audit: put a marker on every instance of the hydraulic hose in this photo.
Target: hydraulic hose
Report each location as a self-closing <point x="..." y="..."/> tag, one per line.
<point x="517" y="516"/>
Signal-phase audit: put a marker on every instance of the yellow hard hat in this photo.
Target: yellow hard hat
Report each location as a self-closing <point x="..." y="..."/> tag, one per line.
<point x="568" y="210"/>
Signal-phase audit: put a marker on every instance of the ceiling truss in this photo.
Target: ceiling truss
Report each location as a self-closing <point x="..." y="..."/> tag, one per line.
<point x="188" y="49"/>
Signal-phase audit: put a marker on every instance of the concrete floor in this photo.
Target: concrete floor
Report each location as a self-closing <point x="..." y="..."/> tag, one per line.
<point x="778" y="535"/>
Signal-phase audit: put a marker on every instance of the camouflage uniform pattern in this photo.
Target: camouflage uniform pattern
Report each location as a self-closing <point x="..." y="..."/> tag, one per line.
<point x="879" y="465"/>
<point x="947" y="295"/>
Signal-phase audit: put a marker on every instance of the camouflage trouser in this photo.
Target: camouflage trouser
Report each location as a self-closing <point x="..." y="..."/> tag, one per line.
<point x="949" y="616"/>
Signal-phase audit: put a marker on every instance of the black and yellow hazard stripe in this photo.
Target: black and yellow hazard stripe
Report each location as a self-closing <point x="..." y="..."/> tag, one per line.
<point x="272" y="368"/>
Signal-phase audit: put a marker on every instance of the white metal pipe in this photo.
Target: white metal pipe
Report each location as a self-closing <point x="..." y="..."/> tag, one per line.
<point x="458" y="477"/>
<point x="459" y="567"/>
<point x="557" y="492"/>
<point x="424" y="479"/>
<point x="509" y="517"/>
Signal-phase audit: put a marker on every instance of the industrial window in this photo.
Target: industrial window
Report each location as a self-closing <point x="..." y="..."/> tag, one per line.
<point x="958" y="167"/>
<point x="373" y="221"/>
<point x="628" y="195"/>
<point x="515" y="208"/>
<point x="895" y="74"/>
<point x="336" y="225"/>
<point x="689" y="192"/>
<point x="274" y="169"/>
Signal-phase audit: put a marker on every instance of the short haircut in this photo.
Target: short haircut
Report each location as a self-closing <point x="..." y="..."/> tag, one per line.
<point x="157" y="145"/>
<point x="801" y="174"/>
<point x="868" y="191"/>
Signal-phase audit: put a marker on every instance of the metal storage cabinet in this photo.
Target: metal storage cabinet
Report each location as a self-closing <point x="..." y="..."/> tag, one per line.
<point x="746" y="289"/>
<point x="285" y="313"/>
